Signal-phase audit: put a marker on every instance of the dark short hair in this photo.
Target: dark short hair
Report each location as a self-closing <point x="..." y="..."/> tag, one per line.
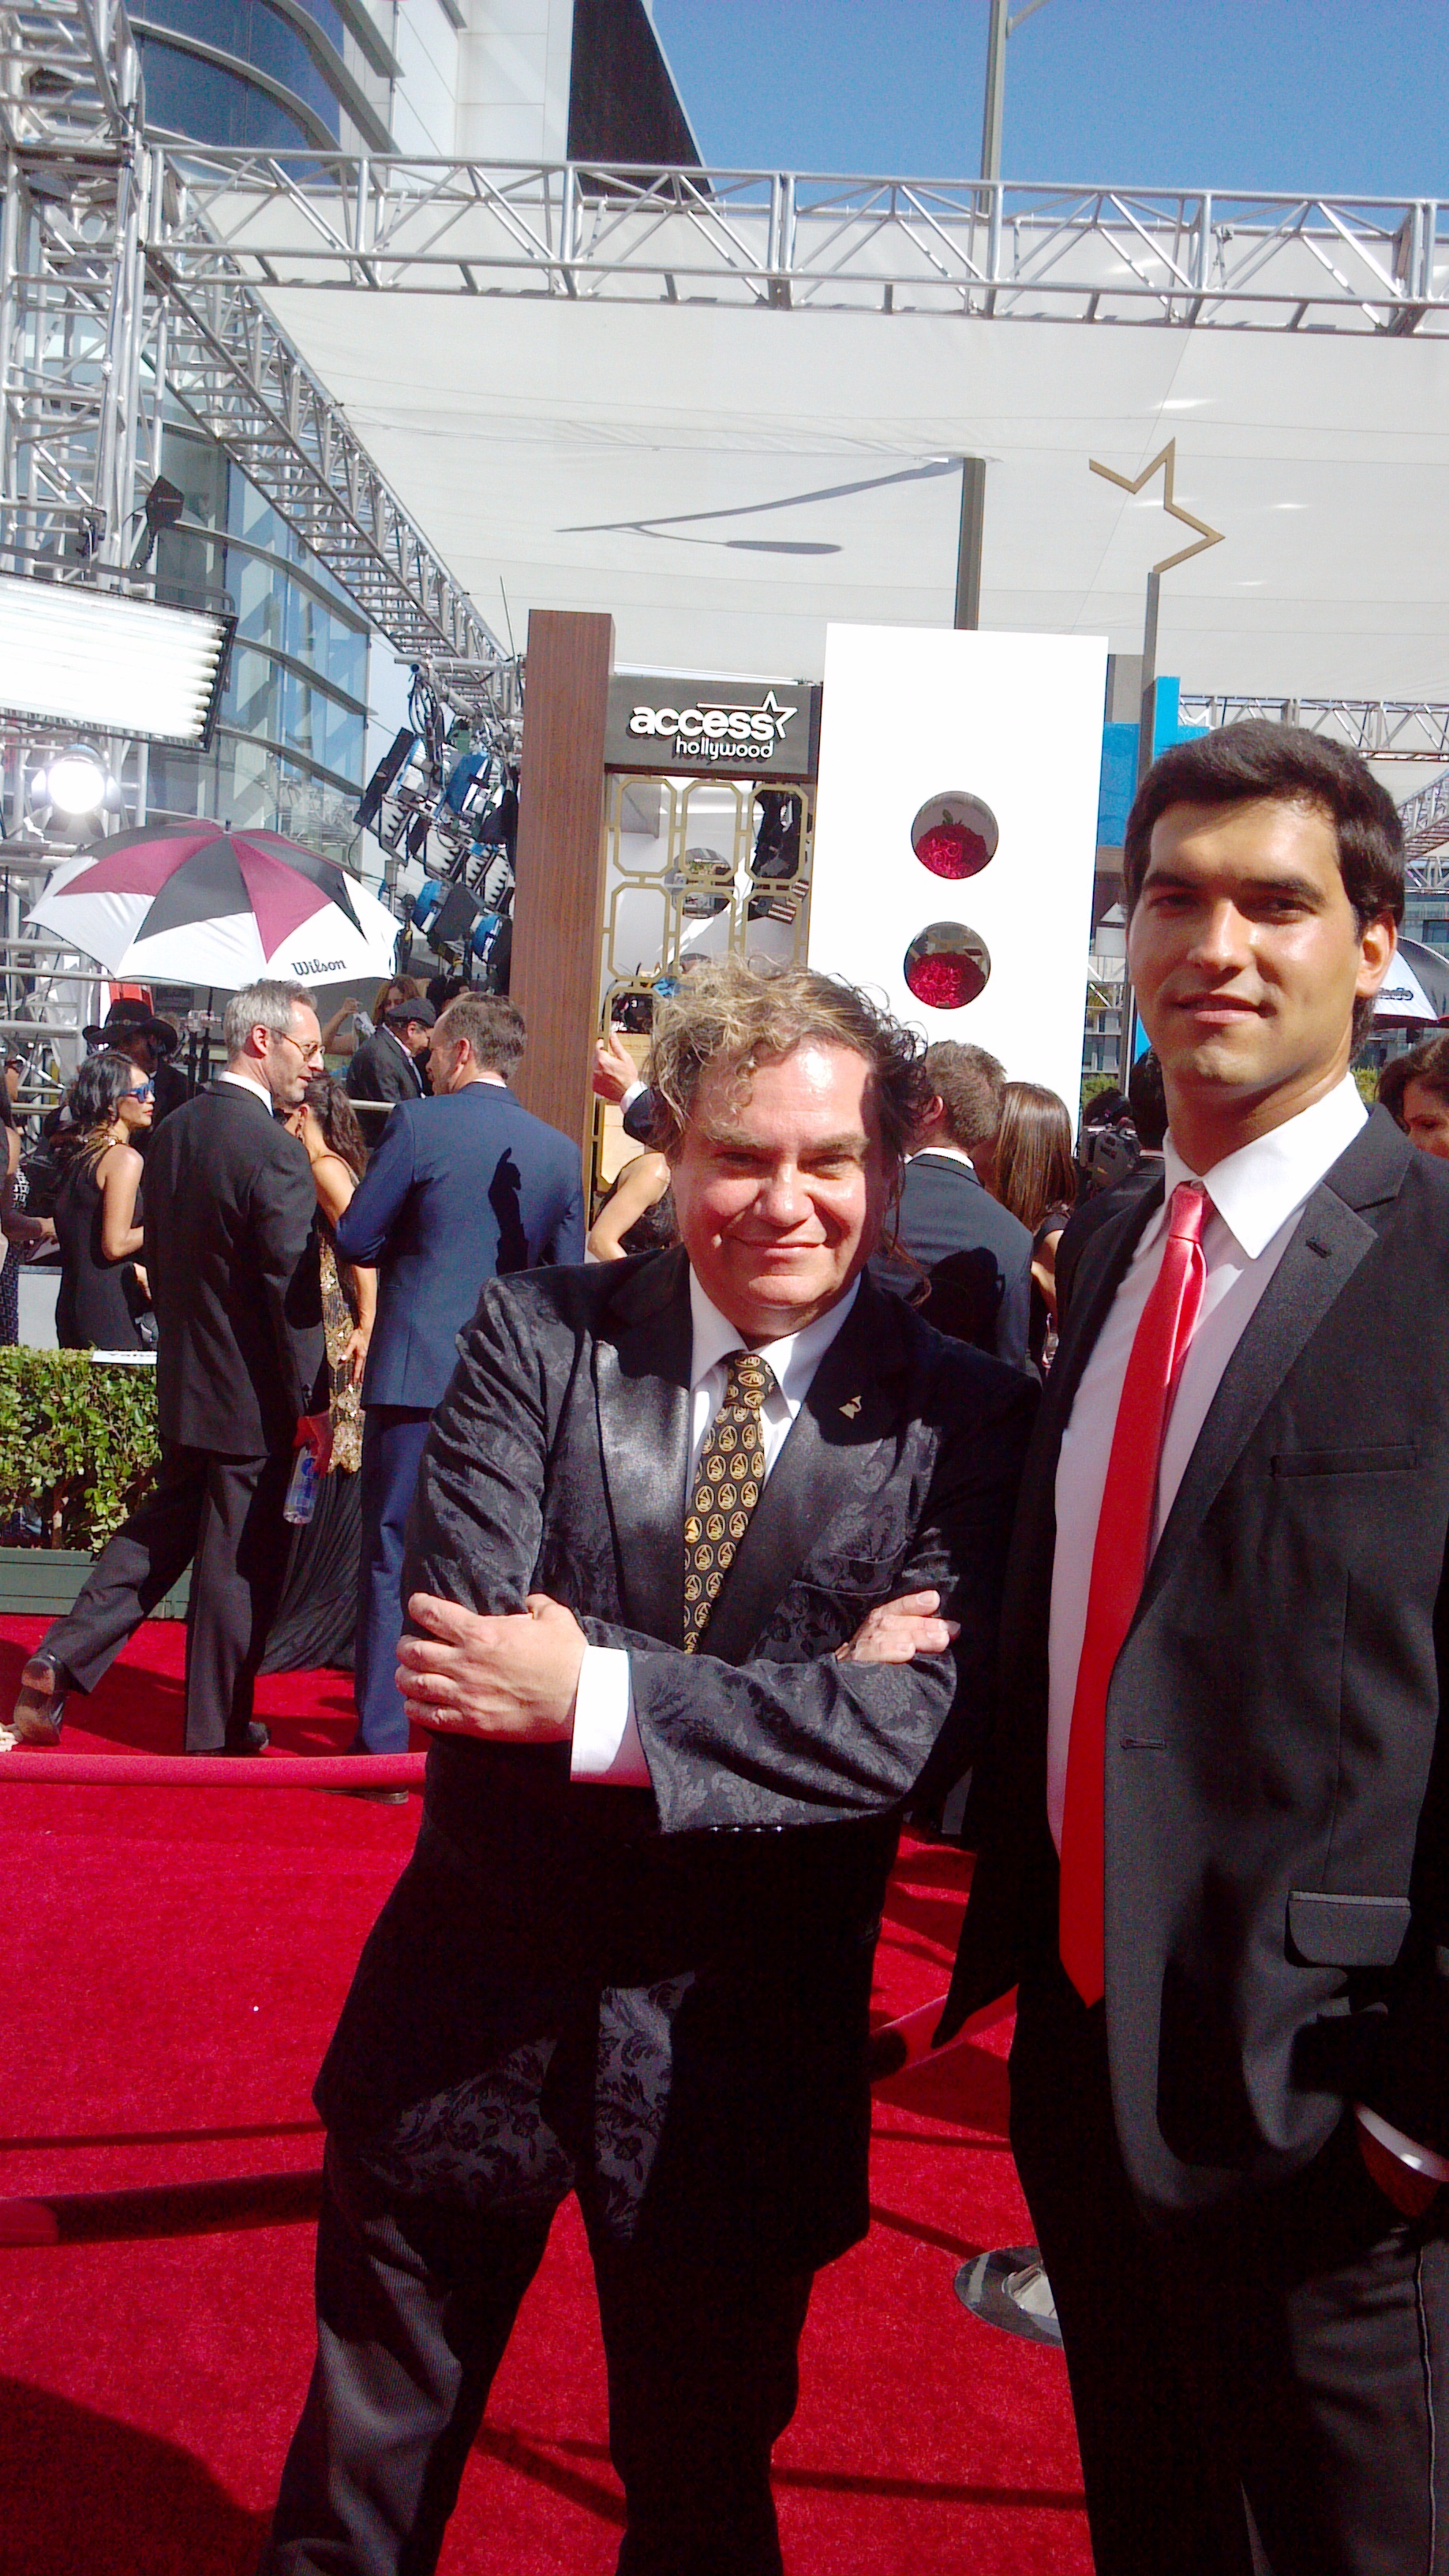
<point x="1147" y="1101"/>
<point x="1286" y="766"/>
<point x="493" y="1027"/>
<point x="969" y="1084"/>
<point x="742" y="1015"/>
<point x="1427" y="1063"/>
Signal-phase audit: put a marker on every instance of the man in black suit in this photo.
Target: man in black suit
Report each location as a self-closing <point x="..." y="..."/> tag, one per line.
<point x="463" y="1187"/>
<point x="1213" y="1843"/>
<point x="388" y="1065"/>
<point x="976" y="1255"/>
<point x="632" y="1954"/>
<point x="229" y="1214"/>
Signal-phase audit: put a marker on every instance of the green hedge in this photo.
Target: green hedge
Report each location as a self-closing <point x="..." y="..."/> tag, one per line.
<point x="77" y="1441"/>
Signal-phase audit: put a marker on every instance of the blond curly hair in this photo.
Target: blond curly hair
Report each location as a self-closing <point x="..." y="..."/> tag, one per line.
<point x="746" y="1015"/>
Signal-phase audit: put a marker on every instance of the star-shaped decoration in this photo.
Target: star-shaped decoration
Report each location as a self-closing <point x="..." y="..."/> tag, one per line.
<point x="1167" y="458"/>
<point x="770" y="706"/>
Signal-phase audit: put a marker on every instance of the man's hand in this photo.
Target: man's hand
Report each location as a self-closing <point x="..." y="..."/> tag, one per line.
<point x="512" y="1679"/>
<point x="615" y="1071"/>
<point x="896" y="1630"/>
<point x="1409" y="2191"/>
<point x="314" y="1432"/>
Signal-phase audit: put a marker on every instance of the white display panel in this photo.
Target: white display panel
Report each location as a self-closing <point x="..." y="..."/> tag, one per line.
<point x="914" y="715"/>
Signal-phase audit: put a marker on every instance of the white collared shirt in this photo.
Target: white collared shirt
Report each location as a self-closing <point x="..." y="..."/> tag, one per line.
<point x="1256" y="1197"/>
<point x="606" y="1743"/>
<point x="244" y="1082"/>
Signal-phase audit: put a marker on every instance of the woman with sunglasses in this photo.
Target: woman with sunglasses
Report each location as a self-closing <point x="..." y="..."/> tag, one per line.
<point x="103" y="1293"/>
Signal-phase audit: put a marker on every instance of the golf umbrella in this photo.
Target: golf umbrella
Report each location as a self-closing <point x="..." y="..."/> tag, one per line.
<point x="1415" y="992"/>
<point x="189" y="903"/>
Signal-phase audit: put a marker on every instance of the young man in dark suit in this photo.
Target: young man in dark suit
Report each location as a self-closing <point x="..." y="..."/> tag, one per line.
<point x="463" y="1188"/>
<point x="1213" y="1840"/>
<point x="632" y="1954"/>
<point x="229" y="1213"/>
<point x="976" y="1255"/>
<point x="388" y="1065"/>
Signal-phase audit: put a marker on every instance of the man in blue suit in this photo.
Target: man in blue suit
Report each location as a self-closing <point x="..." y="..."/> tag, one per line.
<point x="462" y="1188"/>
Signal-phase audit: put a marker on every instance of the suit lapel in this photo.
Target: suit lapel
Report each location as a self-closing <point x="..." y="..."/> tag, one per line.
<point x="641" y="1388"/>
<point x="1328" y="1243"/>
<point x="853" y="1410"/>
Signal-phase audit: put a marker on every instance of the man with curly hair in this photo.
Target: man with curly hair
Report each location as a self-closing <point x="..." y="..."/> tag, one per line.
<point x="660" y="1512"/>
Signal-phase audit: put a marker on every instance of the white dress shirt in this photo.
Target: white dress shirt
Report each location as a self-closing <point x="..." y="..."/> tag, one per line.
<point x="607" y="1744"/>
<point x="244" y="1082"/>
<point x="1256" y="1197"/>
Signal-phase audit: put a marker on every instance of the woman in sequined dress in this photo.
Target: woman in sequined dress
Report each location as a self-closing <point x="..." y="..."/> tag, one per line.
<point x="318" y="1613"/>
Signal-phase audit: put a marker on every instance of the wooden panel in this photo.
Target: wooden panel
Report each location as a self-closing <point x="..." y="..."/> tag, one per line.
<point x="559" y="907"/>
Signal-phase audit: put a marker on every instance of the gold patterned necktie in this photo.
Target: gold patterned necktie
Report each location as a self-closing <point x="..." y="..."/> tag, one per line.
<point x="727" y="1486"/>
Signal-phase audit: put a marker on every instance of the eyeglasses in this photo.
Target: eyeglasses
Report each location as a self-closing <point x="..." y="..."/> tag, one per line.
<point x="143" y="1090"/>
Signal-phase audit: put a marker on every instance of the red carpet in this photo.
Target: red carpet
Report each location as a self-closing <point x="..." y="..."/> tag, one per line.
<point x="174" y="1963"/>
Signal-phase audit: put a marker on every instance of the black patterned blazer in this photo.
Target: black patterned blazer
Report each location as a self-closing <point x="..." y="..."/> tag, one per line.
<point x="661" y="1997"/>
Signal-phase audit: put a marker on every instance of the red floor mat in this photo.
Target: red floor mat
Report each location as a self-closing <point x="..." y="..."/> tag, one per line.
<point x="175" y="1961"/>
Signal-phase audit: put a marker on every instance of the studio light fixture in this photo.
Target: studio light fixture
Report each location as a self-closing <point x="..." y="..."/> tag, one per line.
<point x="74" y="782"/>
<point x="103" y="663"/>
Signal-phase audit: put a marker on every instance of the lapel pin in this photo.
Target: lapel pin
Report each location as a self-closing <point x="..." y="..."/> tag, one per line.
<point x="851" y="1409"/>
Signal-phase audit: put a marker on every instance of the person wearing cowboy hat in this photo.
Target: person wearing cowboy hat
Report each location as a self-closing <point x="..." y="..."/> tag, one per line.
<point x="132" y="1029"/>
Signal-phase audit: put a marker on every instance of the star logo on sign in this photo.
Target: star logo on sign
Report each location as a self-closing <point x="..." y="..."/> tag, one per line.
<point x="770" y="706"/>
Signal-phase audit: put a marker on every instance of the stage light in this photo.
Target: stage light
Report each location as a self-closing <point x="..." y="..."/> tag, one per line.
<point x="76" y="781"/>
<point x="107" y="664"/>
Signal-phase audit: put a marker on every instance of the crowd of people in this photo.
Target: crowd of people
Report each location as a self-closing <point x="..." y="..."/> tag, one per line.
<point x="907" y="1457"/>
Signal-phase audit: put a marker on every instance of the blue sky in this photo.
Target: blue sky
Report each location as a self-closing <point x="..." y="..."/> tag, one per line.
<point x="1334" y="96"/>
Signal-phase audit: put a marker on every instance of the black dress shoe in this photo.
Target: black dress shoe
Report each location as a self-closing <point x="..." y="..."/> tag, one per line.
<point x="37" y="1712"/>
<point x="379" y="1797"/>
<point x="255" y="1740"/>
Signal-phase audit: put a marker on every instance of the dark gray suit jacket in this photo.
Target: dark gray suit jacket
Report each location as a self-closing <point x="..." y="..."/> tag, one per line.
<point x="231" y="1255"/>
<point x="382" y="1069"/>
<point x="666" y="1993"/>
<point x="1277" y="1898"/>
<point x="975" y="1253"/>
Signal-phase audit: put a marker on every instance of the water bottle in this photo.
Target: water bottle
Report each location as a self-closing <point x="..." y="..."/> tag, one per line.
<point x="301" y="1500"/>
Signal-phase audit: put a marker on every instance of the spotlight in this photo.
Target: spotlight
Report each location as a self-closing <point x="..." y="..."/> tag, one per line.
<point x="162" y="508"/>
<point x="76" y="781"/>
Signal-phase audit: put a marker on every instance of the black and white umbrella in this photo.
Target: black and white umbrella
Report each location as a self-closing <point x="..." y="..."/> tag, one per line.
<point x="1415" y="992"/>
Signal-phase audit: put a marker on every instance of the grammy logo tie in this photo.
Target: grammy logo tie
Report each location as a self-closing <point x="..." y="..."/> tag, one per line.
<point x="1119" y="1569"/>
<point x="727" y="1486"/>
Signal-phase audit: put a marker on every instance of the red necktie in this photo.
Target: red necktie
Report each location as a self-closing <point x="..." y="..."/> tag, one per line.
<point x="1119" y="1569"/>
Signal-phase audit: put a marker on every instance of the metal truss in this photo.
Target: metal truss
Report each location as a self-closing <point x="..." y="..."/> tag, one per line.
<point x="1425" y="818"/>
<point x="96" y="334"/>
<point x="1379" y="728"/>
<point x="1185" y="258"/>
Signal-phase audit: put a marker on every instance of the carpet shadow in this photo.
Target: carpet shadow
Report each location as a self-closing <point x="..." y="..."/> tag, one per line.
<point x="110" y="2499"/>
<point x="968" y="2085"/>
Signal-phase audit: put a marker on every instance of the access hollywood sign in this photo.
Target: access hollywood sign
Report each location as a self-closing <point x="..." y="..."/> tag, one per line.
<point x="657" y="722"/>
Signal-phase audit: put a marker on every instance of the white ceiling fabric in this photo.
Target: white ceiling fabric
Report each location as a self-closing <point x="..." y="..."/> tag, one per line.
<point x="532" y="438"/>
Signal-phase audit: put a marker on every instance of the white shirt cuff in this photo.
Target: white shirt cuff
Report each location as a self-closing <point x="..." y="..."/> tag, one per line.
<point x="1420" y="2160"/>
<point x="627" y="1099"/>
<point x="607" y="1744"/>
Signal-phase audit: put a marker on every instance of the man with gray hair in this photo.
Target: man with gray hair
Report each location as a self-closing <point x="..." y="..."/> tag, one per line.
<point x="229" y="1211"/>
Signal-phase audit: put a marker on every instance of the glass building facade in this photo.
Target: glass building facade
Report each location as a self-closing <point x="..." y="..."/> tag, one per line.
<point x="290" y="740"/>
